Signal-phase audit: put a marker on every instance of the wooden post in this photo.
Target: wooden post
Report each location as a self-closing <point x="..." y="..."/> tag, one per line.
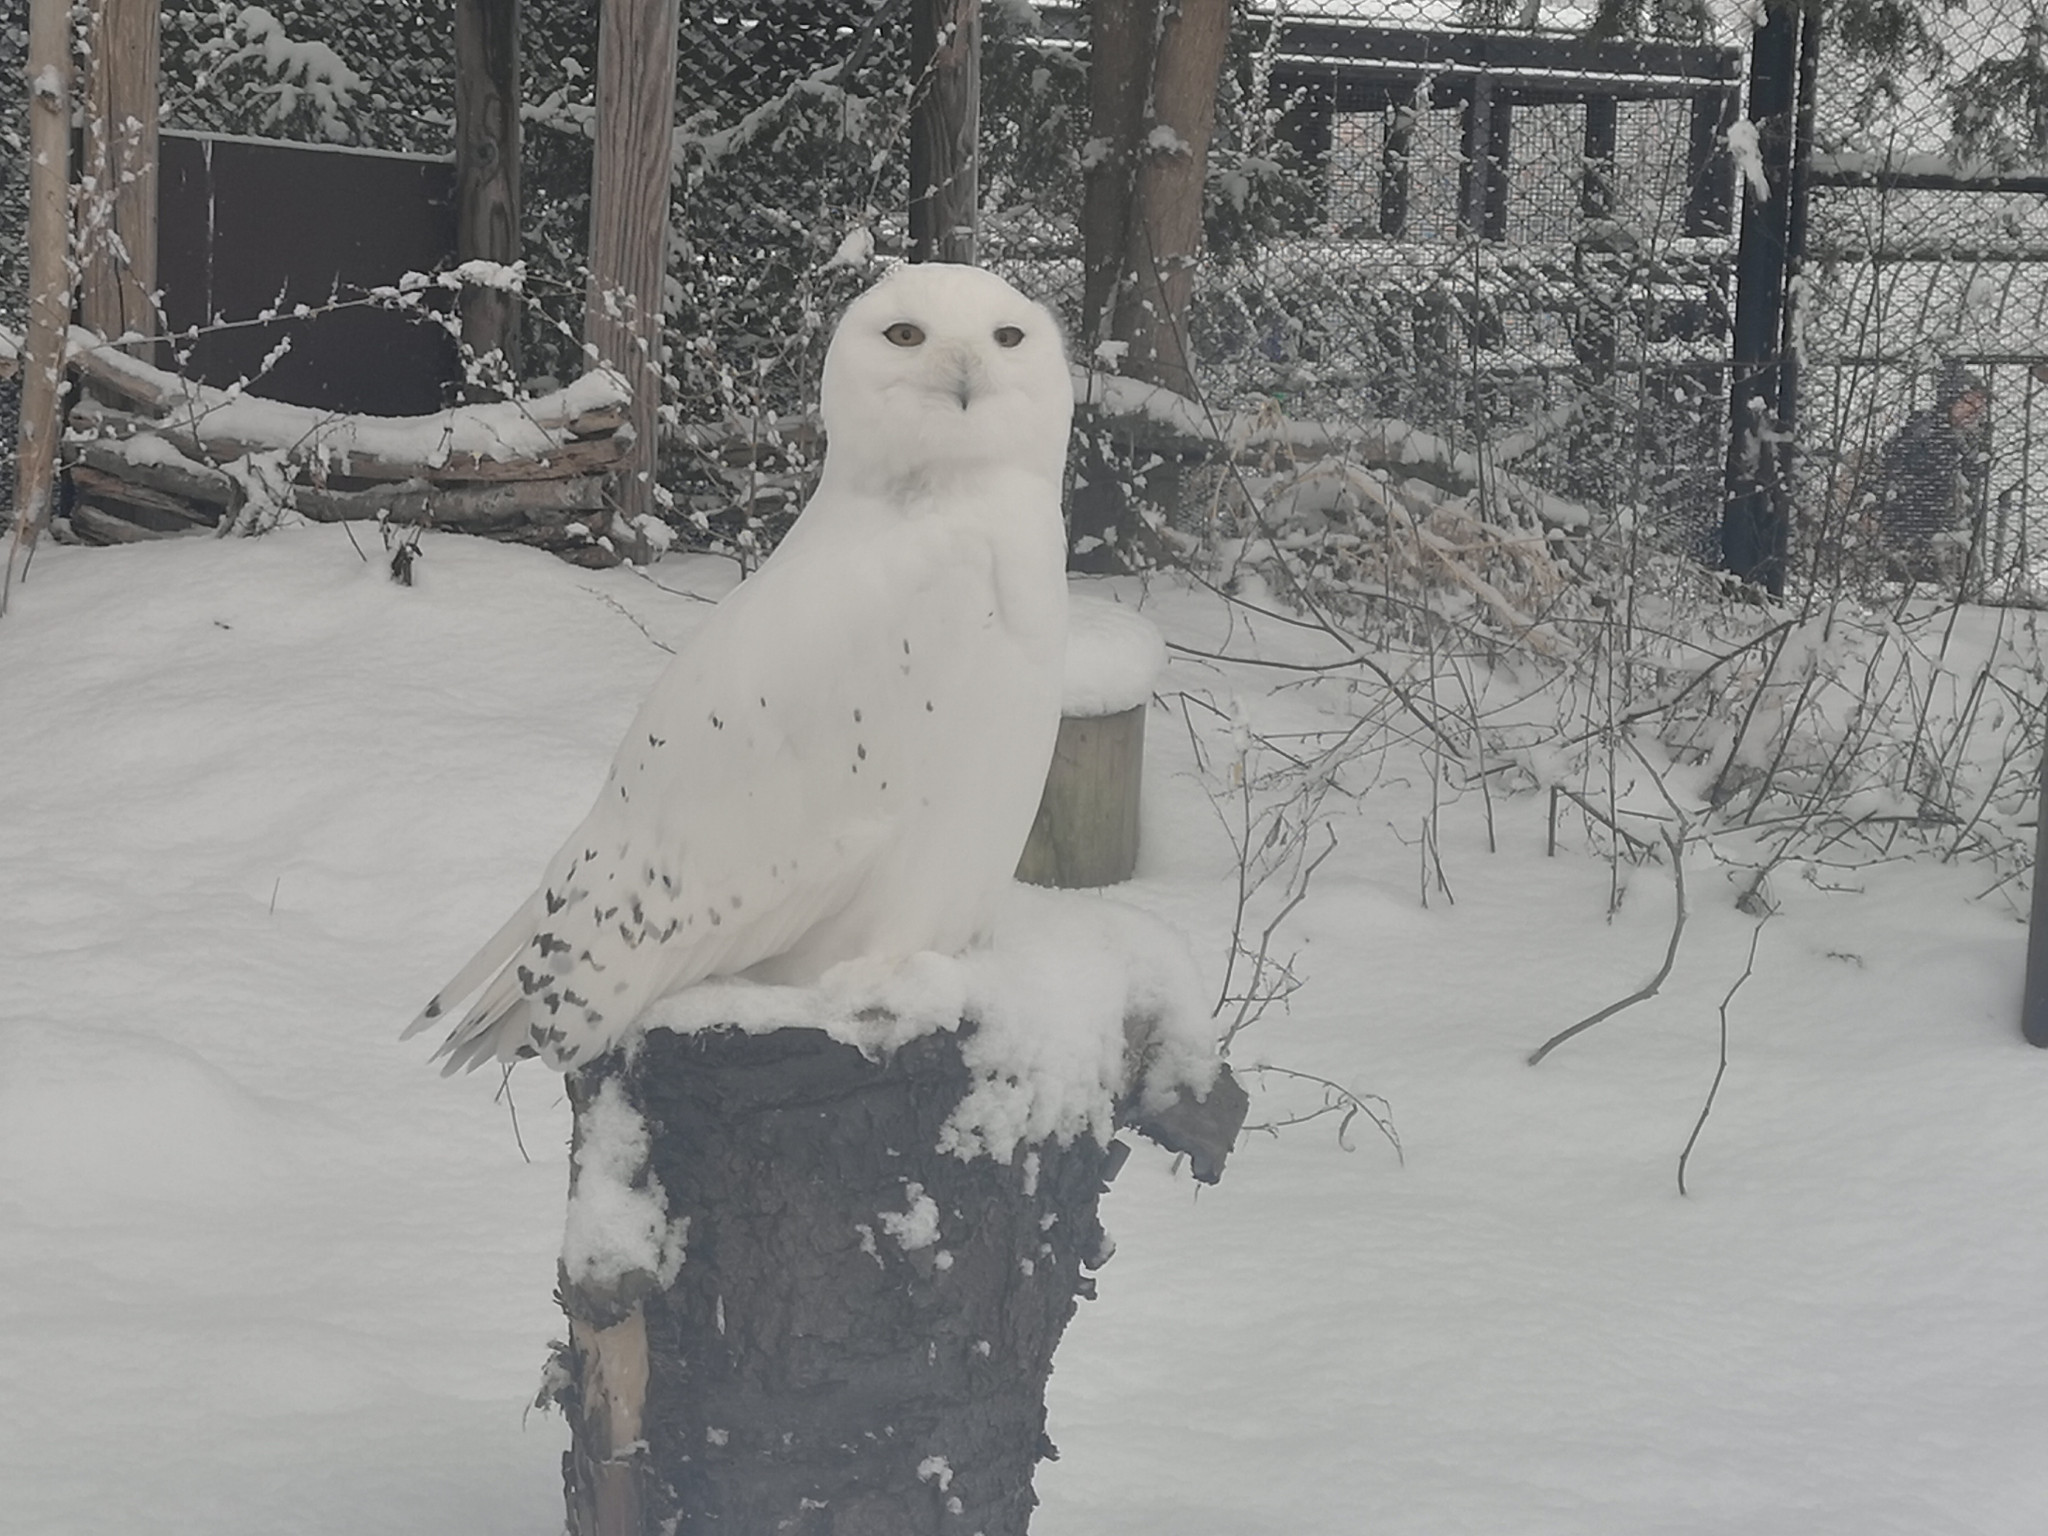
<point x="117" y="211"/>
<point x="945" y="129"/>
<point x="49" y="275"/>
<point x="1086" y="833"/>
<point x="487" y="168"/>
<point x="636" y="86"/>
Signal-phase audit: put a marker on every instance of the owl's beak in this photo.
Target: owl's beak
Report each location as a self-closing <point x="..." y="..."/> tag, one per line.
<point x="963" y="373"/>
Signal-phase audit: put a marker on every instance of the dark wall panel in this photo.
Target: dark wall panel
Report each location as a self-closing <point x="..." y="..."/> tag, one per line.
<point x="248" y="225"/>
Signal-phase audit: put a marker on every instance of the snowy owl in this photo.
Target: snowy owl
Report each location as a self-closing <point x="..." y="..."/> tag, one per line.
<point x="846" y="758"/>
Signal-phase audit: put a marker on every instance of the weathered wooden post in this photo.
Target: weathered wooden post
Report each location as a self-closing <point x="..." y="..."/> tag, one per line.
<point x="117" y="208"/>
<point x="487" y="169"/>
<point x="815" y="1276"/>
<point x="1086" y="833"/>
<point x="49" y="276"/>
<point x="636" y="91"/>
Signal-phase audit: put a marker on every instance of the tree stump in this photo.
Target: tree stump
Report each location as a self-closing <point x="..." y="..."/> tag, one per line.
<point x="1086" y="832"/>
<point x="790" y="1312"/>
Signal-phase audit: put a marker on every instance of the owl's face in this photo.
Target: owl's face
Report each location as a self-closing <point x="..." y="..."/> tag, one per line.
<point x="940" y="369"/>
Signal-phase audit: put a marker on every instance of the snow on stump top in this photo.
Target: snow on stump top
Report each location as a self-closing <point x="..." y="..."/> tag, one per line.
<point x="823" y="1241"/>
<point x="1086" y="833"/>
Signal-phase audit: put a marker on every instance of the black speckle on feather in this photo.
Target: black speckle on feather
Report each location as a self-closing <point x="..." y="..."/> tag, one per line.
<point x="656" y="741"/>
<point x="530" y="983"/>
<point x="548" y="944"/>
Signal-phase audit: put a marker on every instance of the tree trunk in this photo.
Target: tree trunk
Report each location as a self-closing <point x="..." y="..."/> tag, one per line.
<point x="1152" y="76"/>
<point x="49" y="276"/>
<point x="636" y="86"/>
<point x="1165" y="240"/>
<point x="117" y="215"/>
<point x="945" y="129"/>
<point x="487" y="169"/>
<point x="850" y="1332"/>
<point x="1121" y="34"/>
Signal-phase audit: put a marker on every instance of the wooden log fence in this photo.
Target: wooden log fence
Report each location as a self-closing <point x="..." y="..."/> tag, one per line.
<point x="151" y="454"/>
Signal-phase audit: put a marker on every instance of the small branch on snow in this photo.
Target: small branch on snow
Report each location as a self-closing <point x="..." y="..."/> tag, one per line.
<point x="1650" y="988"/>
<point x="1337" y="1100"/>
<point x="1720" y="1070"/>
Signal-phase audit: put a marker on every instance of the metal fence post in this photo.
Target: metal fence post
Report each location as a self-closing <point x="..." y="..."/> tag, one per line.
<point x="2034" y="1003"/>
<point x="1753" y="533"/>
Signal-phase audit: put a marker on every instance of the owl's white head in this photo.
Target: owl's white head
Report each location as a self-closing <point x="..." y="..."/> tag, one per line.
<point x="940" y="371"/>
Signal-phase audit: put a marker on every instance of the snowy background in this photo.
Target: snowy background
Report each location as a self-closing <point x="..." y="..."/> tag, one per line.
<point x="262" y="1271"/>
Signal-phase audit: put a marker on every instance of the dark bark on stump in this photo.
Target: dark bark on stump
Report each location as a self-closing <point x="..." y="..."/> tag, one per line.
<point x="809" y="1371"/>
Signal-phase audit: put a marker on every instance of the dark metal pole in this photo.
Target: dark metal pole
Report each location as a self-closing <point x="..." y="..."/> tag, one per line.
<point x="1752" y="526"/>
<point x="2034" y="1003"/>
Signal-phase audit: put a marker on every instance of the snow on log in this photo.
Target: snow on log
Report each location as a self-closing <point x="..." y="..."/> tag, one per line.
<point x="151" y="454"/>
<point x="822" y="1242"/>
<point x="1385" y="443"/>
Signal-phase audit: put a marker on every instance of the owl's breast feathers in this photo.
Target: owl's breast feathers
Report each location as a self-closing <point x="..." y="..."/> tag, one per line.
<point x="844" y="760"/>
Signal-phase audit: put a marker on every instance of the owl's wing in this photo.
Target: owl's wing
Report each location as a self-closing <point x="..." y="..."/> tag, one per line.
<point x="735" y="819"/>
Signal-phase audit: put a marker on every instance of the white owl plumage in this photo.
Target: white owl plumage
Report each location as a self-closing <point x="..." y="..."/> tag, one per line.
<point x="846" y="758"/>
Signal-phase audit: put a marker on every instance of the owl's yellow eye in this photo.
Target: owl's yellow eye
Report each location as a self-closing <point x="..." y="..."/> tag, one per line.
<point x="904" y="334"/>
<point x="1008" y="336"/>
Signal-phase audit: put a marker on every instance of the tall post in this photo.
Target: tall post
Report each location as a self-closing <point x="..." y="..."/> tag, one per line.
<point x="49" y="275"/>
<point x="1754" y="525"/>
<point x="636" y="89"/>
<point x="945" y="129"/>
<point x="2034" y="1002"/>
<point x="117" y="206"/>
<point x="487" y="169"/>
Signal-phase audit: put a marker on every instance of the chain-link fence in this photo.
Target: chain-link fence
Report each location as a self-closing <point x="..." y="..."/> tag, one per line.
<point x="1516" y="238"/>
<point x="1922" y="415"/>
<point x="1508" y="224"/>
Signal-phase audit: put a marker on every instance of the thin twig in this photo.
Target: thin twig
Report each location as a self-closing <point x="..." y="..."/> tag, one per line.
<point x="511" y="1105"/>
<point x="1337" y="1099"/>
<point x="1650" y="988"/>
<point x="1721" y="1068"/>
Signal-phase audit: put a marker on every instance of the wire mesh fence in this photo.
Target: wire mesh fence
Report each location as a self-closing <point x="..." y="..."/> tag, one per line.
<point x="1510" y="225"/>
<point x="1924" y="322"/>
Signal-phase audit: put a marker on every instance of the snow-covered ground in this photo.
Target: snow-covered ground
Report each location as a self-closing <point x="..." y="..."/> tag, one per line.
<point x="262" y="1271"/>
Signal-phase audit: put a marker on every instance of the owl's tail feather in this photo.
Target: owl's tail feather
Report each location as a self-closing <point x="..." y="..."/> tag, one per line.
<point x="489" y="1029"/>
